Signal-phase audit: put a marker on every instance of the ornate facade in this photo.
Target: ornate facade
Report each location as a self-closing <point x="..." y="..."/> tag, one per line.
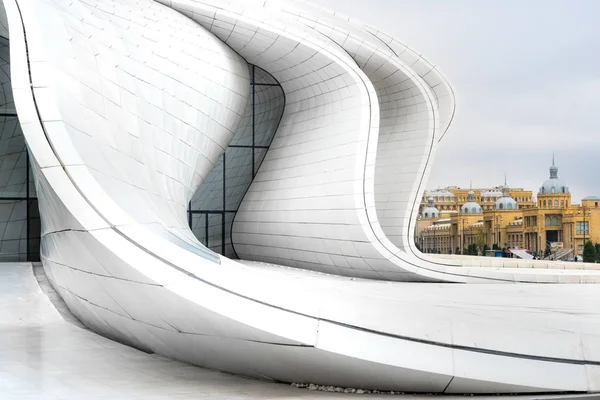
<point x="452" y="198"/>
<point x="514" y="220"/>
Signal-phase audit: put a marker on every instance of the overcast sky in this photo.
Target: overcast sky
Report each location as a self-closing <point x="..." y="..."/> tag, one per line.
<point x="527" y="80"/>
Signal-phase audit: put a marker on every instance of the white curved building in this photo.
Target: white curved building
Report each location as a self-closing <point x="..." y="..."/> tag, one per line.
<point x="288" y="136"/>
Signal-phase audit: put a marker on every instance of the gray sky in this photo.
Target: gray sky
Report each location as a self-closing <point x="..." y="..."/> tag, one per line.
<point x="527" y="80"/>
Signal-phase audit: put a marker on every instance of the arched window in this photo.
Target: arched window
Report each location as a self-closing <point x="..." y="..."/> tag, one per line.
<point x="555" y="221"/>
<point x="548" y="222"/>
<point x="426" y="215"/>
<point x="501" y="206"/>
<point x="555" y="203"/>
<point x="509" y="206"/>
<point x="553" y="190"/>
<point x="474" y="210"/>
<point x="562" y="204"/>
<point x="544" y="203"/>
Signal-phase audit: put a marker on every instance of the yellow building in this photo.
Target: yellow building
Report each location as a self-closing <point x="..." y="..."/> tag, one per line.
<point x="467" y="228"/>
<point x="431" y="225"/>
<point x="557" y="223"/>
<point x="452" y="198"/>
<point x="436" y="238"/>
<point x="496" y="221"/>
<point x="509" y="218"/>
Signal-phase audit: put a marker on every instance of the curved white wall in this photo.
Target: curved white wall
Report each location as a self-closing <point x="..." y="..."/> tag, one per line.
<point x="114" y="175"/>
<point x="339" y="190"/>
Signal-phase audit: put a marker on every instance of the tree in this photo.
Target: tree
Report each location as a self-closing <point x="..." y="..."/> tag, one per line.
<point x="457" y="250"/>
<point x="480" y="241"/>
<point x="589" y="253"/>
<point x="485" y="249"/>
<point x="472" y="249"/>
<point x="495" y="246"/>
<point x="597" y="246"/>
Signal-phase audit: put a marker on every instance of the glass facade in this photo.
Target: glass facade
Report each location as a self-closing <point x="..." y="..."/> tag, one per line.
<point x="19" y="215"/>
<point x="213" y="207"/>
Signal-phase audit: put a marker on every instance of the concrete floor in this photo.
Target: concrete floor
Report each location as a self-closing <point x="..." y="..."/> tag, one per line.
<point x="46" y="354"/>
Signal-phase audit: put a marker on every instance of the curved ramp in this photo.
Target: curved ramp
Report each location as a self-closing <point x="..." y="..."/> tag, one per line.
<point x="126" y="105"/>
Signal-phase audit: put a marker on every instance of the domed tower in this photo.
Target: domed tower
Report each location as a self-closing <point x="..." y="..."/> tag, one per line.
<point x="430" y="211"/>
<point x="506" y="202"/>
<point x="553" y="184"/>
<point x="554" y="192"/>
<point x="471" y="206"/>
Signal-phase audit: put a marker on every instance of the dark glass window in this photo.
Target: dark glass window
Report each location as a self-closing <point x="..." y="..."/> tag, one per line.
<point x="19" y="214"/>
<point x="583" y="228"/>
<point x="213" y="206"/>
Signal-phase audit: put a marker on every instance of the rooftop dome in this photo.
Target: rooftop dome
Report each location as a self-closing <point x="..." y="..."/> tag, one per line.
<point x="554" y="184"/>
<point x="506" y="202"/>
<point x="471" y="207"/>
<point x="430" y="211"/>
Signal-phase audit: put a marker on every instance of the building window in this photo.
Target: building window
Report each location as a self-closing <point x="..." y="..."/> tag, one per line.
<point x="562" y="204"/>
<point x="555" y="221"/>
<point x="582" y="227"/>
<point x="555" y="203"/>
<point x="548" y="221"/>
<point x="19" y="214"/>
<point x="215" y="203"/>
<point x="544" y="203"/>
<point x="509" y="206"/>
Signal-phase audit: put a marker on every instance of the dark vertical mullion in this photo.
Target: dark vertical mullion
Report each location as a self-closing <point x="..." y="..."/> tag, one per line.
<point x="253" y="121"/>
<point x="190" y="214"/>
<point x="27" y="195"/>
<point x="223" y="214"/>
<point x="206" y="228"/>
